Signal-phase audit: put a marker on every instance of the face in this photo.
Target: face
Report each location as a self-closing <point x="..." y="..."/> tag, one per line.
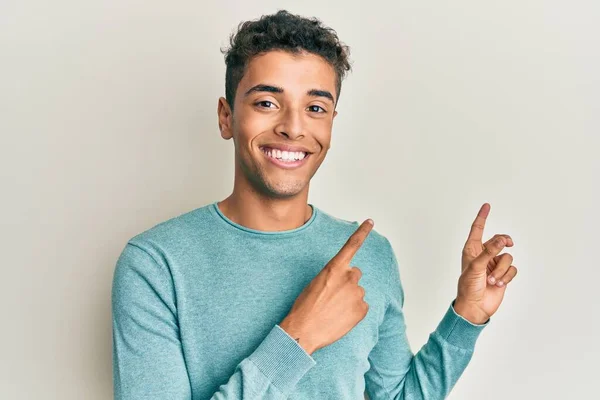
<point x="282" y="120"/>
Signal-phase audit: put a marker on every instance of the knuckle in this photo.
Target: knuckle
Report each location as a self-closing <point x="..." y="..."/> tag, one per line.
<point x="331" y="267"/>
<point x="508" y="257"/>
<point x="328" y="280"/>
<point x="354" y="274"/>
<point x="331" y="274"/>
<point x="361" y="292"/>
<point x="365" y="306"/>
<point x="475" y="264"/>
<point x="468" y="249"/>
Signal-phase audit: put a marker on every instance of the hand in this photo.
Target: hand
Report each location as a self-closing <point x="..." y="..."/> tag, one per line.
<point x="485" y="272"/>
<point x="332" y="303"/>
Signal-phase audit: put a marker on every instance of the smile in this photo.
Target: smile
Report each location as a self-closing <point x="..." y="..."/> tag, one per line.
<point x="285" y="159"/>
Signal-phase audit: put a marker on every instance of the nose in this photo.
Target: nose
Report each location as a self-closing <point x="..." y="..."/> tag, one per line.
<point x="290" y="125"/>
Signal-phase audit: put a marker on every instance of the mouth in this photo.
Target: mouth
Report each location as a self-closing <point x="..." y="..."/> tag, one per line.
<point x="285" y="159"/>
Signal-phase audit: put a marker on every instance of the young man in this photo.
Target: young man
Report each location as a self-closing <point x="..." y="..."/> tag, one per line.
<point x="258" y="296"/>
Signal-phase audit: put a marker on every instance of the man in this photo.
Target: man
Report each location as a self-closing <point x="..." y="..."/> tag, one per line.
<point x="258" y="296"/>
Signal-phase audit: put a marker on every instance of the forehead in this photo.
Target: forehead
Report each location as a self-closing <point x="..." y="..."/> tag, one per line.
<point x="293" y="72"/>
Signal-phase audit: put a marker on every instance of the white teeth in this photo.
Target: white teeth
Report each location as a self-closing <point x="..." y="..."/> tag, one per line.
<point x="289" y="156"/>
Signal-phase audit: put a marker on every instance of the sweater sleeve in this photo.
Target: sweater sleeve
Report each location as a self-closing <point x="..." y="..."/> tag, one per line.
<point x="396" y="373"/>
<point x="148" y="359"/>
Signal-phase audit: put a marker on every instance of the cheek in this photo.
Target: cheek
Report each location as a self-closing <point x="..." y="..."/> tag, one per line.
<point x="322" y="134"/>
<point x="250" y="127"/>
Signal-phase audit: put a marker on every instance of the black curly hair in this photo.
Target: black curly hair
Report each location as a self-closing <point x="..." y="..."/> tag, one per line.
<point x="282" y="31"/>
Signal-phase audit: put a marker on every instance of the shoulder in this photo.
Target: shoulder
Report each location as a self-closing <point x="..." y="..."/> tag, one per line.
<point x="147" y="254"/>
<point x="176" y="233"/>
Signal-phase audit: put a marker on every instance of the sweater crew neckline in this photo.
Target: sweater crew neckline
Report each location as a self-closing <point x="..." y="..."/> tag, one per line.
<point x="216" y="211"/>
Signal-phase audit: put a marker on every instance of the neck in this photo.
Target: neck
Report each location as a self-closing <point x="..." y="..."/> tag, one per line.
<point x="254" y="210"/>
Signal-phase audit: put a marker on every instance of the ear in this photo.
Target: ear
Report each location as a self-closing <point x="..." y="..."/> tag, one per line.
<point x="225" y="117"/>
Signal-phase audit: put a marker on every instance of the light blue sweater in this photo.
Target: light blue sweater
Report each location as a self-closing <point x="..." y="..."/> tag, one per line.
<point x="197" y="299"/>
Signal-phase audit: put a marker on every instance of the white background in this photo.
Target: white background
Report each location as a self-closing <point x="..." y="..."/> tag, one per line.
<point x="108" y="124"/>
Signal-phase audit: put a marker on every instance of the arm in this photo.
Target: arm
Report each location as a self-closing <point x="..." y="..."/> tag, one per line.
<point x="396" y="373"/>
<point x="148" y="360"/>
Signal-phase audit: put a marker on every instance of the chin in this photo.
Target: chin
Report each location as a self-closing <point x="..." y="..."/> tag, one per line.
<point x="274" y="184"/>
<point x="284" y="189"/>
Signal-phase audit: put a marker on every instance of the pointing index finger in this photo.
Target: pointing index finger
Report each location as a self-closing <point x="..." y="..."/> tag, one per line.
<point x="476" y="233"/>
<point x="355" y="241"/>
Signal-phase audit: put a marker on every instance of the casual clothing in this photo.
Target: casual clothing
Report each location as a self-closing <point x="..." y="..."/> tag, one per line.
<point x="197" y="300"/>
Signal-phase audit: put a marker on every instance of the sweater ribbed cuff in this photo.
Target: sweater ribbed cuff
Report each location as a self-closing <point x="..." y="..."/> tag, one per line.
<point x="457" y="330"/>
<point x="282" y="360"/>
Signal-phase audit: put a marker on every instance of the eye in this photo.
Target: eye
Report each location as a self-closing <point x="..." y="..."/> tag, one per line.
<point x="265" y="104"/>
<point x="315" y="108"/>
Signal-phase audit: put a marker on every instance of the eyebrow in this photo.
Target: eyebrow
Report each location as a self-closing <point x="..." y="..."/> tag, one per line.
<point x="276" y="89"/>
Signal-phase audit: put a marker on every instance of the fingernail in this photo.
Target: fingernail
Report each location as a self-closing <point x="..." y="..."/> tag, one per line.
<point x="370" y="221"/>
<point x="492" y="280"/>
<point x="500" y="283"/>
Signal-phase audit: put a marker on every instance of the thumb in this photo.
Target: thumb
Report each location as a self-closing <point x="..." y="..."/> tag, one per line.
<point x="491" y="249"/>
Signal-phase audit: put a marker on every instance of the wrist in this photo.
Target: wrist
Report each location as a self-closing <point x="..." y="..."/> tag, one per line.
<point x="470" y="312"/>
<point x="298" y="335"/>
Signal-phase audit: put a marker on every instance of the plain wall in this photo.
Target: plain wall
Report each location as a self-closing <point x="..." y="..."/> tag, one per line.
<point x="108" y="124"/>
